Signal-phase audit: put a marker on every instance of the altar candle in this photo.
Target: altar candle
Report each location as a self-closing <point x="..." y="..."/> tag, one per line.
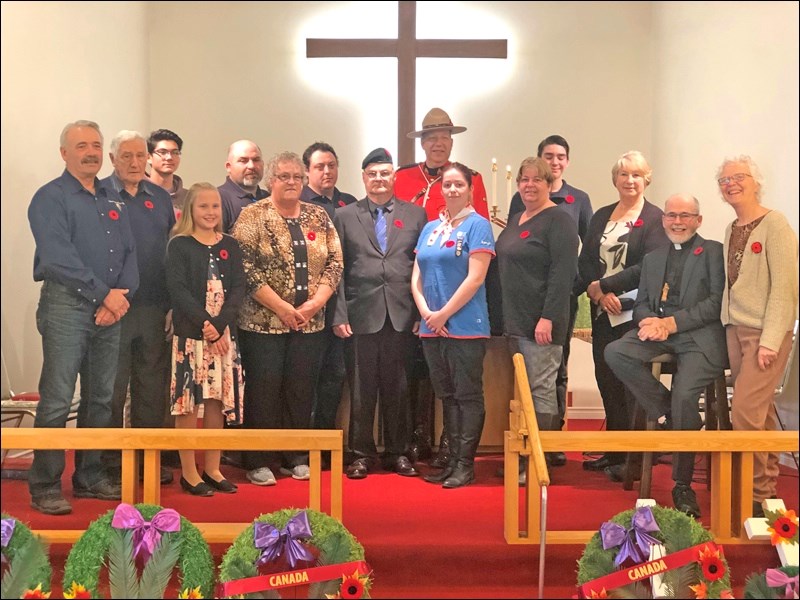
<point x="494" y="183"/>
<point x="509" y="192"/>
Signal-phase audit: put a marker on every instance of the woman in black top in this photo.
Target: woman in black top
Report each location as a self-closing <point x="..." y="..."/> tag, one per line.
<point x="206" y="283"/>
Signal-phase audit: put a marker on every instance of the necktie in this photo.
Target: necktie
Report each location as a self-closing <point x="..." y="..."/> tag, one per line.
<point x="380" y="228"/>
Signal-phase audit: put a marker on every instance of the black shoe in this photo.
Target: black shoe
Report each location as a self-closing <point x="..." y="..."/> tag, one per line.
<point x="685" y="500"/>
<point x="556" y="459"/>
<point x="600" y="463"/>
<point x="617" y="473"/>
<point x="402" y="466"/>
<point x="758" y="510"/>
<point x="438" y="477"/>
<point x="166" y="475"/>
<point x="459" y="478"/>
<point x="51" y="504"/>
<point x="224" y="486"/>
<point x="201" y="489"/>
<point x="358" y="469"/>
<point x="102" y="490"/>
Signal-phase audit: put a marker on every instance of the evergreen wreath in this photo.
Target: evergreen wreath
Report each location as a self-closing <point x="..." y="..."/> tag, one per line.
<point x="780" y="584"/>
<point x="29" y="572"/>
<point x="707" y="578"/>
<point x="88" y="555"/>
<point x="334" y="543"/>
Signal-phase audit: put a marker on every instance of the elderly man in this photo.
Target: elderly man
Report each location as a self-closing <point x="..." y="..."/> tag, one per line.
<point x="378" y="236"/>
<point x="677" y="312"/>
<point x="245" y="166"/>
<point x="86" y="257"/>
<point x="144" y="352"/>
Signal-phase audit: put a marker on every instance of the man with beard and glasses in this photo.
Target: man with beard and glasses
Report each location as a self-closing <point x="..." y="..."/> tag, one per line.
<point x="677" y="311"/>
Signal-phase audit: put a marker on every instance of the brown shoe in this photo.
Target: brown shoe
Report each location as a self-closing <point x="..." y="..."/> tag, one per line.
<point x="51" y="504"/>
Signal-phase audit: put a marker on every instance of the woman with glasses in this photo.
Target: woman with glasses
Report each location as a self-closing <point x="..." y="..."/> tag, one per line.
<point x="293" y="262"/>
<point x="619" y="236"/>
<point x="453" y="255"/>
<point x="537" y="255"/>
<point x="759" y="308"/>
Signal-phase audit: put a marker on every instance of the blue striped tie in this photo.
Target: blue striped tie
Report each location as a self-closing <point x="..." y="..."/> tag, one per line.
<point x="380" y="228"/>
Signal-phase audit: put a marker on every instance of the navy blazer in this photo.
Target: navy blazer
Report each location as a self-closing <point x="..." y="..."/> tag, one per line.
<point x="375" y="284"/>
<point x="700" y="301"/>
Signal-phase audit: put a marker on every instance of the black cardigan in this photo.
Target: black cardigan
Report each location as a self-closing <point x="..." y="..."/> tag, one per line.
<point x="187" y="278"/>
<point x="644" y="238"/>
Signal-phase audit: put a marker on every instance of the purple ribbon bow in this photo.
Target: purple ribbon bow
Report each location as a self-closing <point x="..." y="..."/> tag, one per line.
<point x="146" y="534"/>
<point x="272" y="542"/>
<point x="8" y="531"/>
<point x="777" y="578"/>
<point x="635" y="541"/>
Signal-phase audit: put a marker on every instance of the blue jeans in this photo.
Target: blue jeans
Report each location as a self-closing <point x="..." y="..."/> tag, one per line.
<point x="542" y="364"/>
<point x="72" y="344"/>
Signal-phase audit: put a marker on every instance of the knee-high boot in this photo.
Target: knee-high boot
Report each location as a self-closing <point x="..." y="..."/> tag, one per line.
<point x="449" y="458"/>
<point x="468" y="439"/>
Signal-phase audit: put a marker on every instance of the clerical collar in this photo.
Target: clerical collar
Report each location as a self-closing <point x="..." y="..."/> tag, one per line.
<point x="687" y="244"/>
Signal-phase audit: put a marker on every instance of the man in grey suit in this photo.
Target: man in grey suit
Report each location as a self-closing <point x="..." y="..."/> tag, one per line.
<point x="374" y="305"/>
<point x="677" y="312"/>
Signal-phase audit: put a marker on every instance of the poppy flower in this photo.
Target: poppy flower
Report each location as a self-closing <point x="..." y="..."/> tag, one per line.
<point x="352" y="587"/>
<point x="569" y="199"/>
<point x="756" y="247"/>
<point x="711" y="563"/>
<point x="398" y="223"/>
<point x="524" y="234"/>
<point x="784" y="529"/>
<point x="223" y="254"/>
<point x="36" y="593"/>
<point x="449" y="243"/>
<point x="698" y="251"/>
<point x="638" y="223"/>
<point x="311" y="235"/>
<point x="113" y="215"/>
<point x="342" y="203"/>
<point x="76" y="590"/>
<point x="148" y="204"/>
<point x="178" y="215"/>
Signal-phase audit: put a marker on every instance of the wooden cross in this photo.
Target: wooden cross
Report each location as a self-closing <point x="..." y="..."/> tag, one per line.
<point x="406" y="48"/>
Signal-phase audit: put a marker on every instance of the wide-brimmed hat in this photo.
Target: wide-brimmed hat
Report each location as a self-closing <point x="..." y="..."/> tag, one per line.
<point x="436" y="120"/>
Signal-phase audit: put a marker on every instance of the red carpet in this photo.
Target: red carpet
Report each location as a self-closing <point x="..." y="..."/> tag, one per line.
<point x="423" y="541"/>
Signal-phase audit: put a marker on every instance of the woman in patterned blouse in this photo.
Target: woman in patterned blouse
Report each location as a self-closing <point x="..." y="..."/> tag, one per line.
<point x="293" y="262"/>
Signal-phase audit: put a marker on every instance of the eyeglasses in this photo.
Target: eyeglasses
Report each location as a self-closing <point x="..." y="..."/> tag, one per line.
<point x="671" y="216"/>
<point x="287" y="177"/>
<point x="537" y="180"/>
<point x="738" y="178"/>
<point x="163" y="153"/>
<point x="378" y="174"/>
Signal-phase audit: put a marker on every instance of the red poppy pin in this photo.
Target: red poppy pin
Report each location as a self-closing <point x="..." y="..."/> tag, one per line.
<point x="524" y="234"/>
<point x="114" y="215"/>
<point x="449" y="243"/>
<point x="312" y="236"/>
<point x="632" y="224"/>
<point x="698" y="251"/>
<point x="178" y="215"/>
<point x="148" y="204"/>
<point x="398" y="223"/>
<point x="756" y="247"/>
<point x="569" y="199"/>
<point x="223" y="254"/>
<point x="342" y="203"/>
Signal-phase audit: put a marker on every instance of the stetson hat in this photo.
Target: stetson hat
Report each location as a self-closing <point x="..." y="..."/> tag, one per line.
<point x="436" y="120"/>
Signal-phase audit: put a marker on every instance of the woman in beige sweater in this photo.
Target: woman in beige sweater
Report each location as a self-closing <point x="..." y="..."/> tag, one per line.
<point x="758" y="308"/>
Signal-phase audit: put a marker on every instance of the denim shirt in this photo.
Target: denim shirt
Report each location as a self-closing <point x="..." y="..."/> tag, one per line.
<point x="83" y="240"/>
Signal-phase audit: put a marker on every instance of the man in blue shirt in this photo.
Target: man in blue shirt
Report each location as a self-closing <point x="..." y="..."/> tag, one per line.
<point x="86" y="256"/>
<point x="144" y="353"/>
<point x="245" y="166"/>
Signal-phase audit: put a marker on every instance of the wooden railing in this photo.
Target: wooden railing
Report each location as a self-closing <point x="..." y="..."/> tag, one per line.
<point x="153" y="441"/>
<point x="731" y="466"/>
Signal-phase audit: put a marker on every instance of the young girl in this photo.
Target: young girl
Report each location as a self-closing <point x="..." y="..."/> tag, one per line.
<point x="206" y="283"/>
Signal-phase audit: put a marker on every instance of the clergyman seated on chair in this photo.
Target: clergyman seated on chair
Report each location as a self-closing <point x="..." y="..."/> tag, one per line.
<point x="677" y="312"/>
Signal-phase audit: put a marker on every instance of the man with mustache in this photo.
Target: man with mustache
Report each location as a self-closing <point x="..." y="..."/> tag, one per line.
<point x="245" y="166"/>
<point x="677" y="312"/>
<point x="86" y="257"/>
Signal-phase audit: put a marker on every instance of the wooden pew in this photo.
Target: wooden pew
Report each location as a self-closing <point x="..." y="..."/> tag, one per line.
<point x="153" y="441"/>
<point x="731" y="466"/>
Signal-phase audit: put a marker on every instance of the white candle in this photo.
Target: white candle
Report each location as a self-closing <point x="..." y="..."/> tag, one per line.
<point x="494" y="183"/>
<point x="509" y="192"/>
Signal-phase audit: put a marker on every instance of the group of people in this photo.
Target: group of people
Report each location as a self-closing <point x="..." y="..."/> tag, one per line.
<point x="258" y="302"/>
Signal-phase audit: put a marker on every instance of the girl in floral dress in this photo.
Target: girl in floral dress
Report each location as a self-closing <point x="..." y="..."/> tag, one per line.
<point x="206" y="283"/>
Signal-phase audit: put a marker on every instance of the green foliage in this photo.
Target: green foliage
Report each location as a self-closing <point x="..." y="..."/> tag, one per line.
<point x="22" y="569"/>
<point x="87" y="556"/>
<point x="122" y="578"/>
<point x="756" y="584"/>
<point x="35" y="565"/>
<point x="158" y="570"/>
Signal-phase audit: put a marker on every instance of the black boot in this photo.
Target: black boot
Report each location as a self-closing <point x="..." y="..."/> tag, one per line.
<point x="468" y="438"/>
<point x="461" y="476"/>
<point x="420" y="446"/>
<point x="443" y="457"/>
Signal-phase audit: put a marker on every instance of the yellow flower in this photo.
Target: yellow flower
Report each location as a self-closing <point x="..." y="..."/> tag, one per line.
<point x="36" y="593"/>
<point x="76" y="590"/>
<point x="191" y="593"/>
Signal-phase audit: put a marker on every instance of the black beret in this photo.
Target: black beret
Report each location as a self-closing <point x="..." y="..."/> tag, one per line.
<point x="379" y="155"/>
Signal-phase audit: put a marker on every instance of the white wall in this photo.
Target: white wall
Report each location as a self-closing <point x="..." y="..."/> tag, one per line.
<point x="686" y="83"/>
